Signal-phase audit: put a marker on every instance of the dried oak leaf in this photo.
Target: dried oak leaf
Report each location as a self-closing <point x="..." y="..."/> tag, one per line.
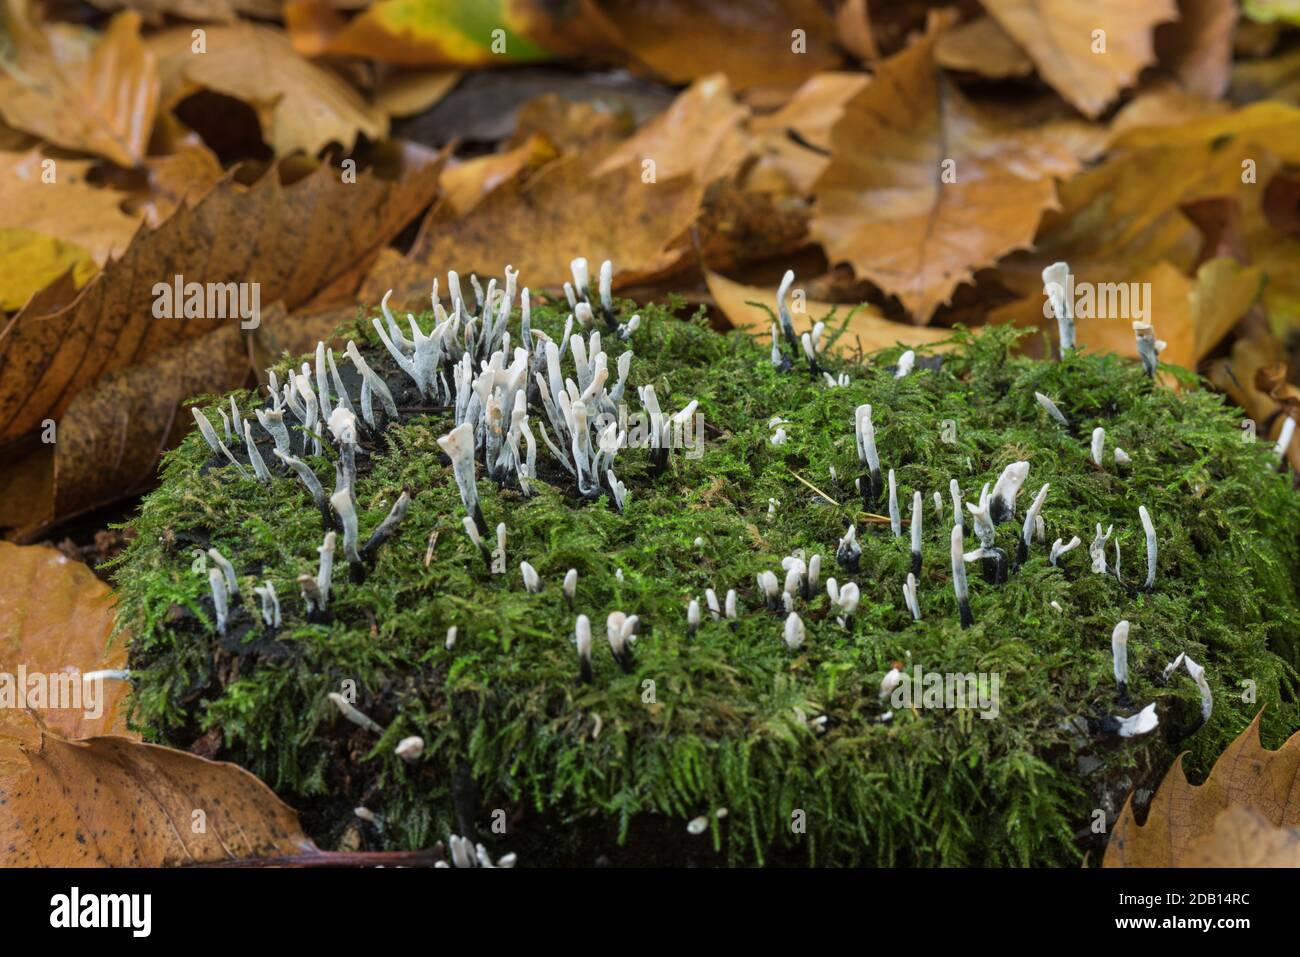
<point x="1181" y="814"/>
<point x="288" y="240"/>
<point x="922" y="189"/>
<point x="55" y="619"/>
<point x="299" y="106"/>
<point x="113" y="802"/>
<point x="1088" y="50"/>
<point x="866" y="327"/>
<point x="88" y="92"/>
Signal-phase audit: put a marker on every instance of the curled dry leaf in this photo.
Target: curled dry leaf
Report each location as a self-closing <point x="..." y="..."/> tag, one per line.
<point x="1182" y="814"/>
<point x="866" y="327"/>
<point x="98" y="96"/>
<point x="922" y="189"/>
<point x="282" y="243"/>
<point x="1088" y="50"/>
<point x="465" y="184"/>
<point x="141" y="810"/>
<point x="300" y="106"/>
<point x="55" y="619"/>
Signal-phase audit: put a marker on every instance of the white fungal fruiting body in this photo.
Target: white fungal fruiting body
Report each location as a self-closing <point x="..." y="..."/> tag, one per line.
<point x="1098" y="445"/>
<point x="895" y="518"/>
<point x="794" y="632"/>
<point x="227" y="569"/>
<point x="693" y="615"/>
<point x="217" y="583"/>
<point x="1005" y="490"/>
<point x="570" y="583"/>
<point x="1119" y="653"/>
<point x="341" y="502"/>
<point x="410" y="749"/>
<point x="1141" y="723"/>
<point x="1057" y="286"/>
<point x="905" y="364"/>
<point x="450" y="640"/>
<point x="1284" y="437"/>
<point x="1051" y="408"/>
<point x="353" y="714"/>
<point x="1031" y="517"/>
<point x="985" y="530"/>
<point x="1153" y="548"/>
<point x="532" y="581"/>
<point x="1058" y="549"/>
<point x="910" y="597"/>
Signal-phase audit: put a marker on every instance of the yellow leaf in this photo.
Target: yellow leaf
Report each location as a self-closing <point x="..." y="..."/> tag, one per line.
<point x="30" y="261"/>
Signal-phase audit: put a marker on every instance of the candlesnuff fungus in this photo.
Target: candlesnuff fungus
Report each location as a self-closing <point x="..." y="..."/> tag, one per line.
<point x="1056" y="282"/>
<point x="410" y="749"/>
<point x="692" y="617"/>
<point x="1098" y="445"/>
<point x="503" y="694"/>
<point x="532" y="582"/>
<point x="959" y="579"/>
<point x="357" y="717"/>
<point x="217" y="583"/>
<point x="1051" y="408"/>
<point x="1002" y="505"/>
<point x="582" y="635"/>
<point x="1058" y="549"/>
<point x="793" y="632"/>
<point x="210" y="436"/>
<point x="1148" y="346"/>
<point x="1119" y="659"/>
<point x="227" y="570"/>
<point x="1152" y="548"/>
<point x="916" y="532"/>
<point x="620" y="629"/>
<point x="865" y="434"/>
<point x="270" y="604"/>
<point x="387" y="528"/>
<point x="895" y="518"/>
<point x="254" y="456"/>
<point x="570" y="585"/>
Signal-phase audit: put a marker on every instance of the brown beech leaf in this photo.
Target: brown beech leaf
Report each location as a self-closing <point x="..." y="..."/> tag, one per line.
<point x="300" y="106"/>
<point x="99" y="96"/>
<point x="55" y="619"/>
<point x="1242" y="837"/>
<point x="465" y="184"/>
<point x="794" y="143"/>
<point x="183" y="176"/>
<point x="699" y="135"/>
<point x="982" y="46"/>
<point x="284" y="242"/>
<point x="538" y="226"/>
<point x="407" y="92"/>
<point x="1181" y="814"/>
<point x="866" y="326"/>
<point x="853" y="30"/>
<point x="141" y="810"/>
<point x="1088" y="50"/>
<point x="219" y="11"/>
<point x="922" y="189"/>
<point x="1197" y="47"/>
<point x="755" y="44"/>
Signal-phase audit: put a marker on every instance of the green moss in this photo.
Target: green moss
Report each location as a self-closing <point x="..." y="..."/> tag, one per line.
<point x="507" y="726"/>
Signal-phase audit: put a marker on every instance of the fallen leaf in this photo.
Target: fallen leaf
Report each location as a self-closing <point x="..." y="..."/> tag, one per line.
<point x="282" y="243"/>
<point x="1088" y="50"/>
<point x="1242" y="837"/>
<point x="922" y="190"/>
<point x="538" y="227"/>
<point x="220" y="11"/>
<point x="853" y="30"/>
<point x="465" y="184"/>
<point x="300" y="106"/>
<point x="1197" y="47"/>
<point x="55" y="619"/>
<point x="866" y="326"/>
<point x="1276" y="78"/>
<point x="571" y="125"/>
<point x="30" y="261"/>
<point x="1245" y="775"/>
<point x="141" y="810"/>
<point x="982" y="46"/>
<point x="183" y="176"/>
<point x="1270" y="11"/>
<point x="66" y="87"/>
<point x="407" y="92"/>
<point x="51" y="198"/>
<point x="436" y="33"/>
<point x="764" y="43"/>
<point x="1163" y="105"/>
<point x="699" y="135"/>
